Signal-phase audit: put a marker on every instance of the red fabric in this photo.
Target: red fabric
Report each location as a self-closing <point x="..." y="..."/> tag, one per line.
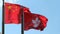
<point x="28" y="24"/>
<point x="12" y="13"/>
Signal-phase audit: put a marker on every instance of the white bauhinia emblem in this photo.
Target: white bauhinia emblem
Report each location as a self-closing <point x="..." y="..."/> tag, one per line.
<point x="36" y="22"/>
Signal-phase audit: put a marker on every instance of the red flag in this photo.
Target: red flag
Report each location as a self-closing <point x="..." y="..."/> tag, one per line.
<point x="12" y="13"/>
<point x="34" y="21"/>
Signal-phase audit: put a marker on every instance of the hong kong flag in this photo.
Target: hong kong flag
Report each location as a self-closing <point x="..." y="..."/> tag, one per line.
<point x="34" y="21"/>
<point x="12" y="13"/>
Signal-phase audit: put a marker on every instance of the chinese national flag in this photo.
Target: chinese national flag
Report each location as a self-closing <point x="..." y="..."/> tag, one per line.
<point x="34" y="21"/>
<point x="12" y="13"/>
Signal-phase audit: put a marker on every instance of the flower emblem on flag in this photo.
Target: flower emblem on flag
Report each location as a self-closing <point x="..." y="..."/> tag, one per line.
<point x="36" y="22"/>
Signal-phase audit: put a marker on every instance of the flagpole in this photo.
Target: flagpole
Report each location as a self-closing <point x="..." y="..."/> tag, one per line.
<point x="22" y="24"/>
<point x="3" y="17"/>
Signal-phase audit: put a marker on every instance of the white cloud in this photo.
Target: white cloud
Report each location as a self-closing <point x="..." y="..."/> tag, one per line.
<point x="1" y="3"/>
<point x="12" y="1"/>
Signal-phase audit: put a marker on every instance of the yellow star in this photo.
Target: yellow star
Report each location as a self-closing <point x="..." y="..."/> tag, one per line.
<point x="16" y="7"/>
<point x="9" y="7"/>
<point x="13" y="10"/>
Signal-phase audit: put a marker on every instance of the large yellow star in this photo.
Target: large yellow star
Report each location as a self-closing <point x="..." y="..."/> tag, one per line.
<point x="9" y="7"/>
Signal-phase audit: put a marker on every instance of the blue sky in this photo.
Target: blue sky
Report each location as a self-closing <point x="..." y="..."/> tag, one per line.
<point x="0" y="15"/>
<point x="48" y="8"/>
